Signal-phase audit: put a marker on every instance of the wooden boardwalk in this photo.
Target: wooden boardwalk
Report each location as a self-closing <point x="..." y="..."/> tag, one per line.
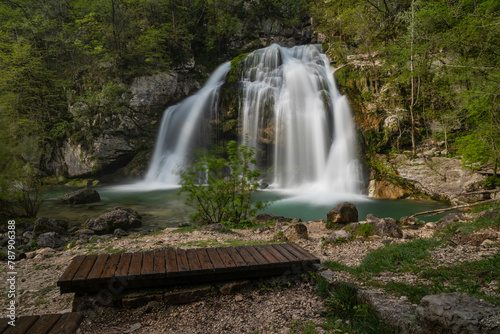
<point x="42" y="324"/>
<point x="116" y="272"/>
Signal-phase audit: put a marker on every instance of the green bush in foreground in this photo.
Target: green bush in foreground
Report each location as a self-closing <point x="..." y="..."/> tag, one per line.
<point x="221" y="189"/>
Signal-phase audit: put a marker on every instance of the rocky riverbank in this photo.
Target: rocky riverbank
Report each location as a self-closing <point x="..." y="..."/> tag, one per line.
<point x="264" y="306"/>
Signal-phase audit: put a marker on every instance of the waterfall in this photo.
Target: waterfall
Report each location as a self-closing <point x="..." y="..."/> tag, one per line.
<point x="290" y="111"/>
<point x="181" y="132"/>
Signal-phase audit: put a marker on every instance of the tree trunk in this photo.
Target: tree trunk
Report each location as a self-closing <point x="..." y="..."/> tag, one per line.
<point x="412" y="115"/>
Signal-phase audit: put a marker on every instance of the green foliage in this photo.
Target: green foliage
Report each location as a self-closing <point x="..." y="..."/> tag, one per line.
<point x="366" y="230"/>
<point x="221" y="189"/>
<point x="342" y="301"/>
<point x="21" y="196"/>
<point x="397" y="257"/>
<point x="492" y="182"/>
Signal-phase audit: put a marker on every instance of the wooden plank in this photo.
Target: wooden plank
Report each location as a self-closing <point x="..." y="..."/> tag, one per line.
<point x="171" y="261"/>
<point x="159" y="262"/>
<point x="226" y="259"/>
<point x="193" y="261"/>
<point x="262" y="262"/>
<point x="290" y="257"/>
<point x="182" y="261"/>
<point x="68" y="323"/>
<point x="85" y="268"/>
<point x="238" y="260"/>
<point x="135" y="265"/>
<point x="204" y="259"/>
<point x="215" y="258"/>
<point x="98" y="267"/>
<point x="22" y="324"/>
<point x="44" y="324"/>
<point x="295" y="252"/>
<point x="71" y="270"/>
<point x="4" y="324"/>
<point x="277" y="254"/>
<point x="110" y="267"/>
<point x="266" y="254"/>
<point x="307" y="255"/>
<point x="243" y="251"/>
<point x="123" y="265"/>
<point x="147" y="263"/>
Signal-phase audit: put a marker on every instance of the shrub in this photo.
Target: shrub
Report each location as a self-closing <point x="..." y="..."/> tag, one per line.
<point x="221" y="189"/>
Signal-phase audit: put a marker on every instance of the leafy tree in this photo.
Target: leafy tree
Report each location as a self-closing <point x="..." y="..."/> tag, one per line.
<point x="221" y="189"/>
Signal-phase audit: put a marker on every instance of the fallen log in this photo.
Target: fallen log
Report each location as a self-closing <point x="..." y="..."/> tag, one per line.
<point x="435" y="212"/>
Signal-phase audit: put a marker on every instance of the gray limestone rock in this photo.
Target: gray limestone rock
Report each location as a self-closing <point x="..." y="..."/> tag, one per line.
<point x="457" y="313"/>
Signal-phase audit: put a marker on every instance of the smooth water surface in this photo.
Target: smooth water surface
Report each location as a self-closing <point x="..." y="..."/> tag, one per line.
<point x="165" y="208"/>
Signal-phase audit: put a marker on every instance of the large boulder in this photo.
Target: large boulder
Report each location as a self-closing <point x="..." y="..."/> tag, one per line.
<point x="81" y="196"/>
<point x="44" y="225"/>
<point x="123" y="218"/>
<point x="51" y="240"/>
<point x="457" y="313"/>
<point x="344" y="213"/>
<point x="385" y="226"/>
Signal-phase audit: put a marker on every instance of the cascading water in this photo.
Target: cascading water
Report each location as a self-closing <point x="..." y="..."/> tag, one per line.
<point x="290" y="110"/>
<point x="181" y="132"/>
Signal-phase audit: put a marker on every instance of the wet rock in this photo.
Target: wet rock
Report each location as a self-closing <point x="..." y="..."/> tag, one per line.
<point x="123" y="218"/>
<point x="296" y="232"/>
<point x="81" y="196"/>
<point x="457" y="313"/>
<point x="344" y="213"/>
<point x="50" y="240"/>
<point x="44" y="225"/>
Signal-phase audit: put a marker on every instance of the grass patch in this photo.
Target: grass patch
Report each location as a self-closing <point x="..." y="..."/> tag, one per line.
<point x="467" y="277"/>
<point x="185" y="229"/>
<point x="414" y="293"/>
<point x="225" y="243"/>
<point x="398" y="257"/>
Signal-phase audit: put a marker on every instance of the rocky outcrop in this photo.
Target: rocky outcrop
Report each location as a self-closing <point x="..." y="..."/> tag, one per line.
<point x="81" y="196"/>
<point x="386" y="190"/>
<point x="457" y="313"/>
<point x="344" y="213"/>
<point x="385" y="226"/>
<point x="44" y="225"/>
<point x="104" y="141"/>
<point x="122" y="218"/>
<point x="437" y="177"/>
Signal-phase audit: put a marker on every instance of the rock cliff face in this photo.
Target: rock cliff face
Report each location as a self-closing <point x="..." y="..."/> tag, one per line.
<point x="103" y="142"/>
